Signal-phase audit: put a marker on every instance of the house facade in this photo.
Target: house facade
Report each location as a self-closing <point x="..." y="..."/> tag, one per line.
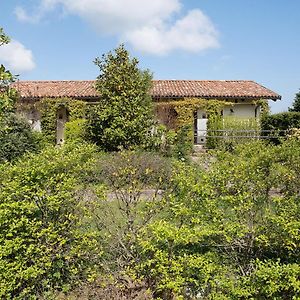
<point x="245" y="99"/>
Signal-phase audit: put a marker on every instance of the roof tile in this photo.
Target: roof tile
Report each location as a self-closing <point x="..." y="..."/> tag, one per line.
<point x="85" y="89"/>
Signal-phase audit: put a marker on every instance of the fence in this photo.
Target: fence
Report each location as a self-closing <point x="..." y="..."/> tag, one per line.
<point x="201" y="136"/>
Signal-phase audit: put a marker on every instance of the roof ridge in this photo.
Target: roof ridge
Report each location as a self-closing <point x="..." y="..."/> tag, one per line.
<point x="174" y="80"/>
<point x="44" y="81"/>
<point x="206" y="80"/>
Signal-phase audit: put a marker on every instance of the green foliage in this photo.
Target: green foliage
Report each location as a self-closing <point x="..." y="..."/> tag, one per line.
<point x="186" y="109"/>
<point x="4" y="39"/>
<point x="16" y="138"/>
<point x="171" y="143"/>
<point x="134" y="182"/>
<point x="233" y="131"/>
<point x="183" y="145"/>
<point x="7" y="95"/>
<point x="123" y="118"/>
<point x="75" y="131"/>
<point x="264" y="107"/>
<point x="231" y="232"/>
<point x="296" y="104"/>
<point x="49" y="107"/>
<point x="280" y="123"/>
<point x="42" y="242"/>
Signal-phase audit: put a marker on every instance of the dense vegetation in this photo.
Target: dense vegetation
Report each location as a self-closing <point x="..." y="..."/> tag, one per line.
<point x="16" y="137"/>
<point x="81" y="222"/>
<point x="296" y="104"/>
<point x="226" y="228"/>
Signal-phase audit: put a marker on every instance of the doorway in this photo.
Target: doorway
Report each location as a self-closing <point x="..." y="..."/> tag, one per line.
<point x="60" y="125"/>
<point x="200" y="125"/>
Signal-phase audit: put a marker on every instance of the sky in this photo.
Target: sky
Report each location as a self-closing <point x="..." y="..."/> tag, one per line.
<point x="175" y="39"/>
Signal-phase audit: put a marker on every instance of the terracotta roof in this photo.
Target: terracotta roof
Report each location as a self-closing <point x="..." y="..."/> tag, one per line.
<point x="85" y="89"/>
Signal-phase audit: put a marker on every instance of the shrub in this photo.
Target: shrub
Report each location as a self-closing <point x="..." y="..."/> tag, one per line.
<point x="75" y="131"/>
<point x="280" y="123"/>
<point x="231" y="232"/>
<point x="235" y="131"/>
<point x="170" y="143"/>
<point x="16" y="138"/>
<point x="43" y="246"/>
<point x="134" y="181"/>
<point x="183" y="144"/>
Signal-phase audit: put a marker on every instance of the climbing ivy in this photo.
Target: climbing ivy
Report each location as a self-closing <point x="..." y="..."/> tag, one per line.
<point x="186" y="108"/>
<point x="264" y="107"/>
<point x="48" y="108"/>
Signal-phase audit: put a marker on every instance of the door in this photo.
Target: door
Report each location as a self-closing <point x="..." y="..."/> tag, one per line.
<point x="60" y="125"/>
<point x="201" y="127"/>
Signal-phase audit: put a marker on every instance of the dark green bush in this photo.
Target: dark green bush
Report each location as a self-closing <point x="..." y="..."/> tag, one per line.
<point x="16" y="137"/>
<point x="280" y="123"/>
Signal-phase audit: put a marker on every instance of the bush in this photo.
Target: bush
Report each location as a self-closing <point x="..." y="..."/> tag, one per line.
<point x="16" y="137"/>
<point x="280" y="123"/>
<point x="75" y="131"/>
<point x="231" y="232"/>
<point x="133" y="182"/>
<point x="235" y="128"/>
<point x="170" y="143"/>
<point x="43" y="245"/>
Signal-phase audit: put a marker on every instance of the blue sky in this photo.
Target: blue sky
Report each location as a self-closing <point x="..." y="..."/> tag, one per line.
<point x="175" y="39"/>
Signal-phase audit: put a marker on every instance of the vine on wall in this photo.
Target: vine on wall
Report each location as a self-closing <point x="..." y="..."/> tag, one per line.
<point x="186" y="108"/>
<point x="49" y="107"/>
<point x="264" y="107"/>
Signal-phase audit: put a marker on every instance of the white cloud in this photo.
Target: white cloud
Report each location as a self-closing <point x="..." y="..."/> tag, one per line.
<point x="193" y="33"/>
<point x="16" y="57"/>
<point x="150" y="26"/>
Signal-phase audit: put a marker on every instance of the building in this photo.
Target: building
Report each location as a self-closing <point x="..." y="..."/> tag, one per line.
<point x="245" y="98"/>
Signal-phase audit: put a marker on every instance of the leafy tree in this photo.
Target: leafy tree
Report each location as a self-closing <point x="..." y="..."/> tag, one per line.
<point x="7" y="94"/>
<point x="296" y="103"/>
<point x="16" y="136"/>
<point x="45" y="244"/>
<point x="123" y="117"/>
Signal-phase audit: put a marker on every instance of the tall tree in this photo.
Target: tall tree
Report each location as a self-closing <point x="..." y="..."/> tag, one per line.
<point x="16" y="136"/>
<point x="296" y="104"/>
<point x="7" y="94"/>
<point x="124" y="115"/>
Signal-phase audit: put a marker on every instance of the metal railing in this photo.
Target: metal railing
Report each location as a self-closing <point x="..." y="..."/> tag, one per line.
<point x="200" y="136"/>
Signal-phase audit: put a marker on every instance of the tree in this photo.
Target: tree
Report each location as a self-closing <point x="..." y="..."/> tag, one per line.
<point x="123" y="117"/>
<point x="16" y="136"/>
<point x="7" y="95"/>
<point x="296" y="104"/>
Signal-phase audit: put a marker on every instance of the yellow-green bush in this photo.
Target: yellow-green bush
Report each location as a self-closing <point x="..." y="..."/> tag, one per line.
<point x="231" y="231"/>
<point x="42" y="244"/>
